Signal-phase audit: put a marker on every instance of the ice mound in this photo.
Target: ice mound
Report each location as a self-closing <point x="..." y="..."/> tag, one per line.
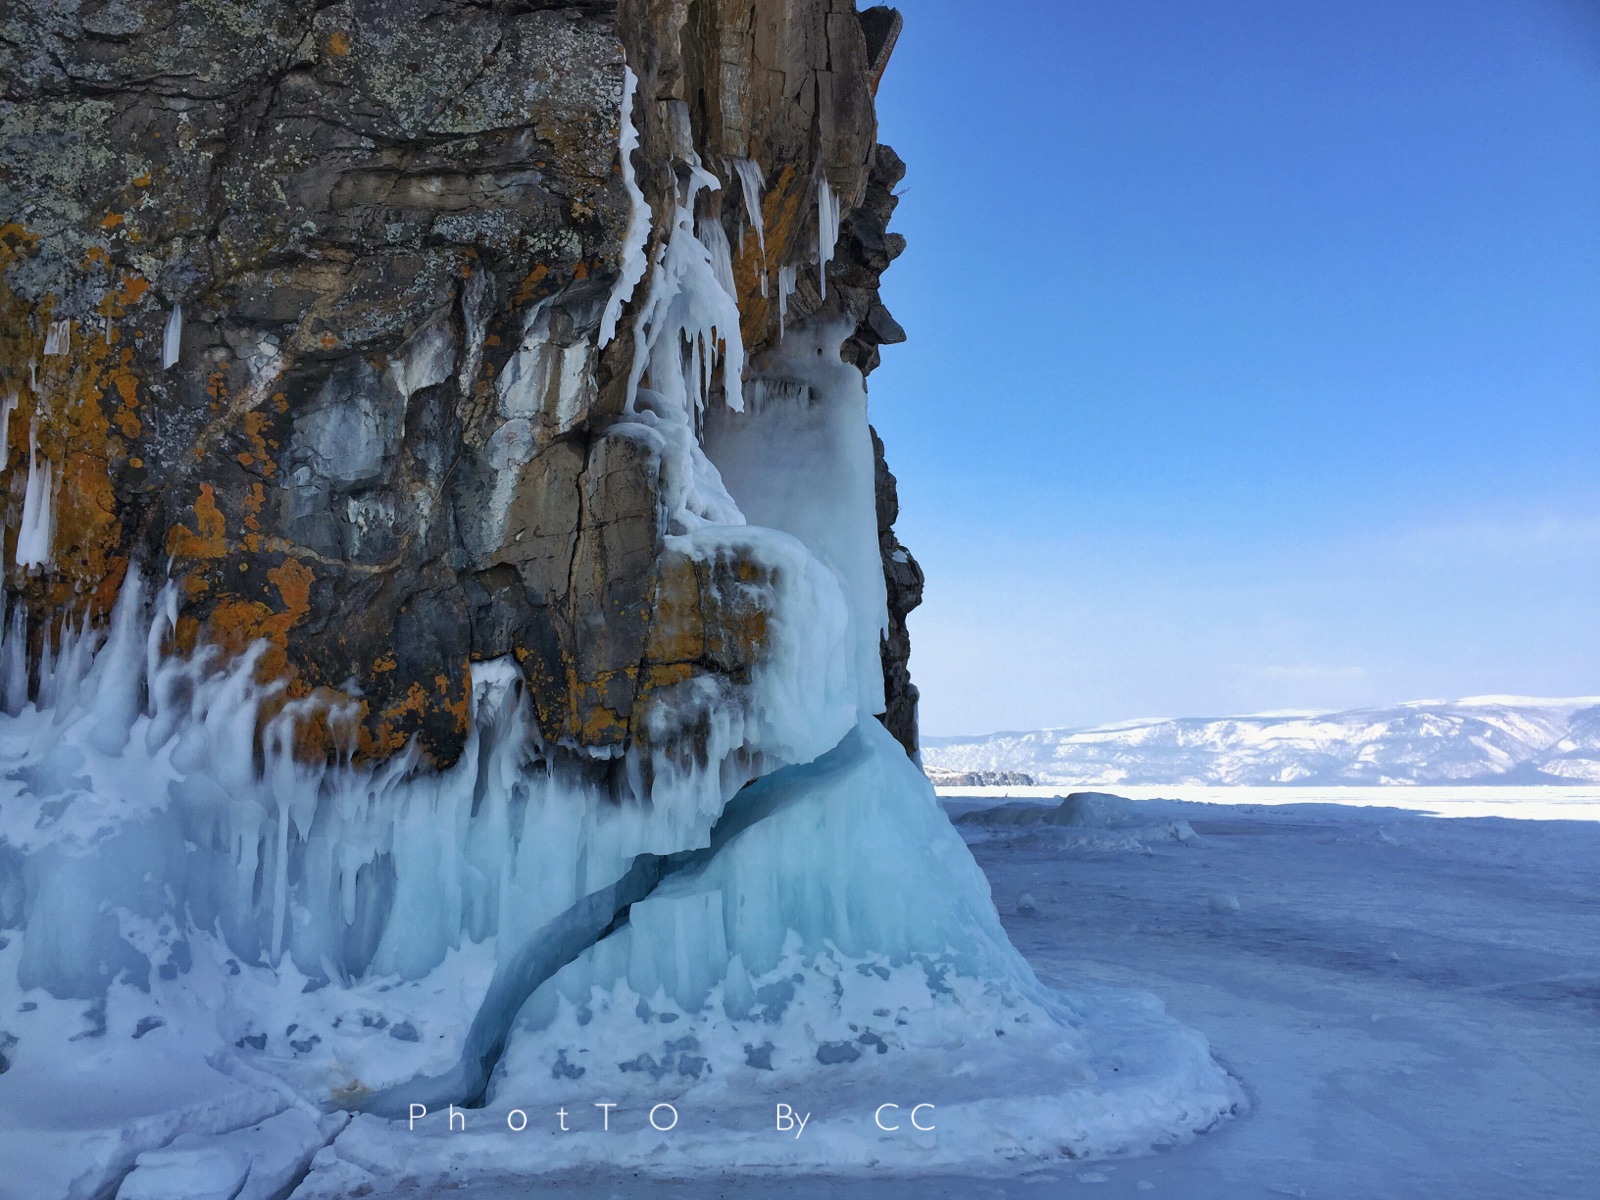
<point x="1090" y="820"/>
<point x="833" y="950"/>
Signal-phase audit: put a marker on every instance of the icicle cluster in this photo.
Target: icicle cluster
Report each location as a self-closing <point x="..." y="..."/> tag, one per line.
<point x="751" y="185"/>
<point x="36" y="533"/>
<point x="827" y="231"/>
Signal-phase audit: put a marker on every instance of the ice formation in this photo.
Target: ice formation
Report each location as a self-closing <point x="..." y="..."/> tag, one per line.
<point x="786" y="284"/>
<point x="687" y="340"/>
<point x="715" y="239"/>
<point x="827" y="232"/>
<point x="786" y="905"/>
<point x="828" y="915"/>
<point x="751" y="183"/>
<point x="36" y="533"/>
<point x="172" y="338"/>
<point x="799" y="459"/>
<point x="58" y="338"/>
<point x="634" y="261"/>
<point x="7" y="407"/>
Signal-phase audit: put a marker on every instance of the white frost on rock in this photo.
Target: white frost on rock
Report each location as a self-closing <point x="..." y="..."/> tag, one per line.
<point x="36" y="533"/>
<point x="634" y="262"/>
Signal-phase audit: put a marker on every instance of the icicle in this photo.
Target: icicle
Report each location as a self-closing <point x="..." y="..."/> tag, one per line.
<point x="78" y="646"/>
<point x="172" y="338"/>
<point x="14" y="662"/>
<point x="638" y="233"/>
<point x="36" y="533"/>
<point x="6" y="409"/>
<point x="688" y="322"/>
<point x="115" y="686"/>
<point x="58" y="339"/>
<point x="715" y="239"/>
<point x="752" y="183"/>
<point x="47" y="670"/>
<point x="786" y="277"/>
<point x="827" y="231"/>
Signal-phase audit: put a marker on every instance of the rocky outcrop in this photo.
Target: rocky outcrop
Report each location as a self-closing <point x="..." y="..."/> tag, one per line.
<point x="904" y="579"/>
<point x="324" y="310"/>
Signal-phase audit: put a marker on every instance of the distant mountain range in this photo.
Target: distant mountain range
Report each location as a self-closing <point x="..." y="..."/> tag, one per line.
<point x="1480" y="740"/>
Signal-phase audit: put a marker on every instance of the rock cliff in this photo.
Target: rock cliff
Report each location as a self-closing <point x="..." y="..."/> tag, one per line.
<point x="333" y="314"/>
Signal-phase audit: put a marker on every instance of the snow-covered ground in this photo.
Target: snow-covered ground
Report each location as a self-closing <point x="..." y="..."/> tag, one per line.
<point x="1412" y="1003"/>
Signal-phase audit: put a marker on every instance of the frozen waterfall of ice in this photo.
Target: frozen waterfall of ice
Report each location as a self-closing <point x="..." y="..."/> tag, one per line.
<point x="799" y="458"/>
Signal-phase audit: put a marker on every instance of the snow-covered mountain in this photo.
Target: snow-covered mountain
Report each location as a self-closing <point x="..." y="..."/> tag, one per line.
<point x="1482" y="739"/>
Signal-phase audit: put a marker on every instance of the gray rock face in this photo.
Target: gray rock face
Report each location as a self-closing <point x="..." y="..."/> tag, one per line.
<point x="389" y="443"/>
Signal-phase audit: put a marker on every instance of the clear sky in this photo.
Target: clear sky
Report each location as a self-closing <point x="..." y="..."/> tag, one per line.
<point x="1254" y="354"/>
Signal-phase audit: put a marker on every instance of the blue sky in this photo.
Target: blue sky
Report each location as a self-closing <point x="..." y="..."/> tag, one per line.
<point x="1254" y="354"/>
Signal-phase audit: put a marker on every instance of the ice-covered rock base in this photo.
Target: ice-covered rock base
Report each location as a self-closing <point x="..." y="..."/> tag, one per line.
<point x="208" y="962"/>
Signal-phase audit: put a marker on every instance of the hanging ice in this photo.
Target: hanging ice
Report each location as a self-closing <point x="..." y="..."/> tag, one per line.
<point x="715" y="239"/>
<point x="634" y="262"/>
<point x="172" y="338"/>
<point x="35" y="534"/>
<point x="799" y="458"/>
<point x="14" y="661"/>
<point x="686" y="329"/>
<point x="7" y="407"/>
<point x="786" y="285"/>
<point x="58" y="338"/>
<point x="827" y="232"/>
<point x="752" y="183"/>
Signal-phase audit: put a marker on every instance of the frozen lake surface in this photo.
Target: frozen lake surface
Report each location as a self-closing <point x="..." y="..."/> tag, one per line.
<point x="1412" y="1004"/>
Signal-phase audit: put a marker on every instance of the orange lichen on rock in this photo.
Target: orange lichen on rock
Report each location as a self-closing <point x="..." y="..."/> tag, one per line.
<point x="529" y="289"/>
<point x="63" y="410"/>
<point x="255" y="424"/>
<point x="208" y="539"/>
<point x="293" y="579"/>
